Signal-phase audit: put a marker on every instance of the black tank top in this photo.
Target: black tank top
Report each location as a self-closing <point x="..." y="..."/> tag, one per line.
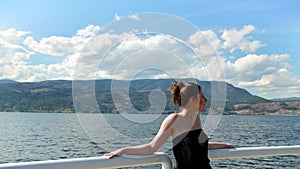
<point x="191" y="150"/>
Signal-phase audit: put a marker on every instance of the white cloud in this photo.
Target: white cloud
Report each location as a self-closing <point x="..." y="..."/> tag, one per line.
<point x="215" y="69"/>
<point x="91" y="55"/>
<point x="17" y="47"/>
<point x="256" y="63"/>
<point x="206" y="43"/>
<point x="64" y="69"/>
<point x="262" y="72"/>
<point x="12" y="36"/>
<point x="135" y="17"/>
<point x="251" y="68"/>
<point x="89" y="31"/>
<point x="280" y="78"/>
<point x="13" y="56"/>
<point x="281" y="83"/>
<point x="238" y="39"/>
<point x="117" y="17"/>
<point x="133" y="55"/>
<point x="54" y="45"/>
<point x="61" y="46"/>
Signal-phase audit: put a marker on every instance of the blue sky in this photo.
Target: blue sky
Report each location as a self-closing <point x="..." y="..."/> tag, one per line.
<point x="257" y="41"/>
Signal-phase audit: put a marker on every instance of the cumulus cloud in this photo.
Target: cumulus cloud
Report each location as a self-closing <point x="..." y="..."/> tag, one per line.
<point x="61" y="46"/>
<point x="117" y="17"/>
<point x="280" y="83"/>
<point x="90" y="55"/>
<point x="261" y="73"/>
<point x="258" y="72"/>
<point x="12" y="36"/>
<point x="256" y="65"/>
<point x="132" y="54"/>
<point x="281" y="78"/>
<point x="208" y="43"/>
<point x="135" y="17"/>
<point x="13" y="56"/>
<point x="17" y="47"/>
<point x="205" y="43"/>
<point x="89" y="31"/>
<point x="237" y="39"/>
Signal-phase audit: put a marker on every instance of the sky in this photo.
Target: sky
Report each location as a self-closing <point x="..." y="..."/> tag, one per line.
<point x="251" y="44"/>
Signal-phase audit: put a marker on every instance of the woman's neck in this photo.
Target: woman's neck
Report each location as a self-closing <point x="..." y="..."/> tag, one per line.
<point x="192" y="118"/>
<point x="192" y="115"/>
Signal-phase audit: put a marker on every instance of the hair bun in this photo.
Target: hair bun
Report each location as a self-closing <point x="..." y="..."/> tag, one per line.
<point x="175" y="90"/>
<point x="182" y="92"/>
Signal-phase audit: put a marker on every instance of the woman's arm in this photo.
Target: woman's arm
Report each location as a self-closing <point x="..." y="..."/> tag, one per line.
<point x="218" y="145"/>
<point x="144" y="149"/>
<point x="149" y="148"/>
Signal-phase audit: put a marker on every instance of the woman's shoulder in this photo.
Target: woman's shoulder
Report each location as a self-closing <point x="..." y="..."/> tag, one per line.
<point x="170" y="120"/>
<point x="172" y="116"/>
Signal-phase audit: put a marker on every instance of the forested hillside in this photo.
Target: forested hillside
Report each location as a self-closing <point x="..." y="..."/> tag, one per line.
<point x="56" y="96"/>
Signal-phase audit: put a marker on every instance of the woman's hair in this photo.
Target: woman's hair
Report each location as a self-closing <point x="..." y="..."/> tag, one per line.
<point x="182" y="92"/>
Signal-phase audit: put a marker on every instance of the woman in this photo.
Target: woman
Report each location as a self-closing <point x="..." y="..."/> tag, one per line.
<point x="190" y="143"/>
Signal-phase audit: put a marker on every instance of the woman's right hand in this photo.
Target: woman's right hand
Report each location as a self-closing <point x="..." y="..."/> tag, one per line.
<point x="111" y="155"/>
<point x="114" y="153"/>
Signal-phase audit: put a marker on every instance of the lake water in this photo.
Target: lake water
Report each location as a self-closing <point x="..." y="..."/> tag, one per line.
<point x="48" y="136"/>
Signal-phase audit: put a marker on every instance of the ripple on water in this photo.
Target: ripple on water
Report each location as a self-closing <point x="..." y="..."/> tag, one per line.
<point x="35" y="136"/>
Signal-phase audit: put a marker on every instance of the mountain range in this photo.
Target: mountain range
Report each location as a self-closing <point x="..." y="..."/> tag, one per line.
<point x="56" y="96"/>
<point x="286" y="99"/>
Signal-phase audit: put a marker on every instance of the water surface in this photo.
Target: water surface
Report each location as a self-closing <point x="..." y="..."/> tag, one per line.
<point x="48" y="136"/>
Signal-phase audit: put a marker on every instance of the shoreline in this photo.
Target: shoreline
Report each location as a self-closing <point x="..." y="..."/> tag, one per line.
<point x="224" y="114"/>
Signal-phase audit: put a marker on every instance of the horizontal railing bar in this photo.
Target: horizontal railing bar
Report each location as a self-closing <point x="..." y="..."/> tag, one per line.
<point x="249" y="152"/>
<point x="157" y="158"/>
<point x="95" y="162"/>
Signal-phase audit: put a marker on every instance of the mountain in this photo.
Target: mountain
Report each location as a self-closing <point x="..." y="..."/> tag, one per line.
<point x="56" y="95"/>
<point x="3" y="81"/>
<point x="286" y="99"/>
<point x="38" y="96"/>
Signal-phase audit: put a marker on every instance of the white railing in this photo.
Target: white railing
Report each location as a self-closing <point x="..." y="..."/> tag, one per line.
<point x="157" y="158"/>
<point x="248" y="152"/>
<point x="95" y="162"/>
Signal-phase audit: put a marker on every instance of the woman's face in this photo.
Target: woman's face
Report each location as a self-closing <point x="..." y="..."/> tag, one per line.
<point x="202" y="101"/>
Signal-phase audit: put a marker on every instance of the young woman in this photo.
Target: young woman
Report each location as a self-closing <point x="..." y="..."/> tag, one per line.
<point x="190" y="143"/>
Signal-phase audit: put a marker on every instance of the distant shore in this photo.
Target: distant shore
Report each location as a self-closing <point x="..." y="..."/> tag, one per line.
<point x="271" y="108"/>
<point x="56" y="96"/>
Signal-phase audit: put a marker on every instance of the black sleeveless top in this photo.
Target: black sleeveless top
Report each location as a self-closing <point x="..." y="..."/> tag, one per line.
<point x="191" y="150"/>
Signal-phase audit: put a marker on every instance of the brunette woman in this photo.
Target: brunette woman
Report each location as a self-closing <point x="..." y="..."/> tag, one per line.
<point x="190" y="143"/>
